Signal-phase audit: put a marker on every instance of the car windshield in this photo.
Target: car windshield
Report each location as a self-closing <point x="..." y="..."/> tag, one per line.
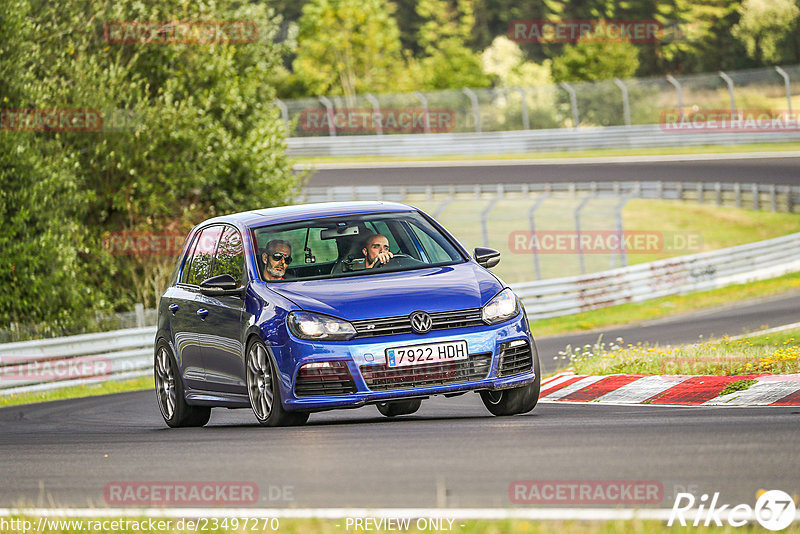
<point x="348" y="246"/>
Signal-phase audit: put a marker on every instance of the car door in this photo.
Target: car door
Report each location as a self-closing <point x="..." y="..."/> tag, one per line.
<point x="220" y="331"/>
<point x="187" y="307"/>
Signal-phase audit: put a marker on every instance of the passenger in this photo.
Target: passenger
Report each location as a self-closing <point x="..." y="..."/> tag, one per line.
<point x="276" y="258"/>
<point x="376" y="252"/>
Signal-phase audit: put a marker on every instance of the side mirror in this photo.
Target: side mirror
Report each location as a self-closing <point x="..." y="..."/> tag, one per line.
<point x="221" y="285"/>
<point x="486" y="257"/>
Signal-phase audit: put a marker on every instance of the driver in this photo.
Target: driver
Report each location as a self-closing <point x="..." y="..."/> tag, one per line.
<point x="277" y="256"/>
<point x="376" y="251"/>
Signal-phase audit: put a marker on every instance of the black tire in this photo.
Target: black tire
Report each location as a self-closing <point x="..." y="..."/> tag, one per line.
<point x="395" y="408"/>
<point x="170" y="392"/>
<point x="515" y="401"/>
<point x="264" y="391"/>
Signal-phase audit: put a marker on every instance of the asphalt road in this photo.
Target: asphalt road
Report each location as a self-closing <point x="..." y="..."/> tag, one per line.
<point x="779" y="170"/>
<point x="451" y="453"/>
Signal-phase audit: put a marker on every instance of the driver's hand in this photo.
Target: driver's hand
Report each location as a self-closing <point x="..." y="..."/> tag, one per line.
<point x="383" y="257"/>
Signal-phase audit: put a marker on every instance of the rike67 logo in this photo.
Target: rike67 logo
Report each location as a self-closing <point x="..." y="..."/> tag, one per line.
<point x="774" y="510"/>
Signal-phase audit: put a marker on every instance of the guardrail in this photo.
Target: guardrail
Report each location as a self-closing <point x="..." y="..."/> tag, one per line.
<point x="644" y="281"/>
<point x="43" y="364"/>
<point x="523" y="141"/>
<point x="785" y="198"/>
<point x="53" y="363"/>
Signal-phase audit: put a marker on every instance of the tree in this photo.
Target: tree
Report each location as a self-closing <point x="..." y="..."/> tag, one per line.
<point x="505" y="61"/>
<point x="592" y="61"/>
<point x="202" y="137"/>
<point x="348" y="47"/>
<point x="448" y="61"/>
<point x="763" y="25"/>
<point x="41" y="273"/>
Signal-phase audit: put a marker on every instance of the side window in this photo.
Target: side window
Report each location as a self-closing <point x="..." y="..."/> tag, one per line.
<point x="187" y="266"/>
<point x="434" y="250"/>
<point x="203" y="256"/>
<point x="230" y="255"/>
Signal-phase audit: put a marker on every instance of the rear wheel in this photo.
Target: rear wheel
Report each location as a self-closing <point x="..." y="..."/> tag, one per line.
<point x="515" y="400"/>
<point x="395" y="408"/>
<point x="263" y="390"/>
<point x="169" y="392"/>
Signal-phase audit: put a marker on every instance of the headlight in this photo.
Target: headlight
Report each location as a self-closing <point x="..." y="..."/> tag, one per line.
<point x="307" y="325"/>
<point x="502" y="307"/>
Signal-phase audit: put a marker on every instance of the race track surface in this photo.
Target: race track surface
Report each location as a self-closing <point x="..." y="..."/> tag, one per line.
<point x="451" y="453"/>
<point x="778" y="170"/>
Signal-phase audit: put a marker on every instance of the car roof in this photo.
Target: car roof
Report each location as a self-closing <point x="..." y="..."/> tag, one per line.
<point x="300" y="212"/>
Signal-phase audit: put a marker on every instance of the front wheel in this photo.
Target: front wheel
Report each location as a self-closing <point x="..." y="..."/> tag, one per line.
<point x="169" y="392"/>
<point x="263" y="390"/>
<point x="515" y="400"/>
<point x="395" y="408"/>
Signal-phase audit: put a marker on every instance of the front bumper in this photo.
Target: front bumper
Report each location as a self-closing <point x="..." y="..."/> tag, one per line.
<point x="364" y="354"/>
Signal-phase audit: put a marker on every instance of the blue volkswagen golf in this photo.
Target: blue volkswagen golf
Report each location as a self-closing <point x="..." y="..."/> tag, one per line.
<point x="298" y="309"/>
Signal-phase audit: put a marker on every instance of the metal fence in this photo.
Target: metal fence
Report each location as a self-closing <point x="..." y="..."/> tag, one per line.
<point x="697" y="272"/>
<point x="615" y="102"/>
<point x="526" y="141"/>
<point x="44" y="364"/>
<point x="506" y="217"/>
<point x="783" y="198"/>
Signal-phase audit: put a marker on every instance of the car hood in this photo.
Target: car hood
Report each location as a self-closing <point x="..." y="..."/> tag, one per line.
<point x="452" y="287"/>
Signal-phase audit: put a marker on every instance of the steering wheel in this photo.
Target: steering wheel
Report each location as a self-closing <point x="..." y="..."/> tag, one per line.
<point x="394" y="257"/>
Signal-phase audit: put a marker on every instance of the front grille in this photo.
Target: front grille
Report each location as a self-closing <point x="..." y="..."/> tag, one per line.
<point x="333" y="379"/>
<point x="383" y="378"/>
<point x="401" y="324"/>
<point x="515" y="358"/>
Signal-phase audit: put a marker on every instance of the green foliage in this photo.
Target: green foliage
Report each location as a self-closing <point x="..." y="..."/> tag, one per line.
<point x="599" y="104"/>
<point x="448" y="61"/>
<point x="202" y="139"/>
<point x="592" y="61"/>
<point x="348" y="47"/>
<point x="763" y="25"/>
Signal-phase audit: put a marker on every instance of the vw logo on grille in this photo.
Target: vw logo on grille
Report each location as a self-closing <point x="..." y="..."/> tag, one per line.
<point x="421" y="322"/>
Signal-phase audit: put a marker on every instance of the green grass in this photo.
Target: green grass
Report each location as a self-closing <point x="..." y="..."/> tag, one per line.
<point x="336" y="526"/>
<point x="739" y="385"/>
<point x="776" y="353"/>
<point x="74" y="392"/>
<point x="715" y="227"/>
<point x="633" y="313"/>
<point x="605" y="152"/>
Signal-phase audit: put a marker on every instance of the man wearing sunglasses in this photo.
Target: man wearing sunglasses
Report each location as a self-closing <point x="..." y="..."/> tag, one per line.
<point x="277" y="257"/>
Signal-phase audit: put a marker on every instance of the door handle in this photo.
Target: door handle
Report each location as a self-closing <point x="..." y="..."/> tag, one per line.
<point x="203" y="313"/>
<point x="174" y="308"/>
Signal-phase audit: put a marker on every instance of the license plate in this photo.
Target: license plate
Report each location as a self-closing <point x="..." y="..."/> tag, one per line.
<point x="429" y="353"/>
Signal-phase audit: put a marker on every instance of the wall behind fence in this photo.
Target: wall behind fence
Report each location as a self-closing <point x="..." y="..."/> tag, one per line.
<point x="524" y="141"/>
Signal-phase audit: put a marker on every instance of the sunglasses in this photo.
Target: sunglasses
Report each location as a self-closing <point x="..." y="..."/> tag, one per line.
<point x="278" y="256"/>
